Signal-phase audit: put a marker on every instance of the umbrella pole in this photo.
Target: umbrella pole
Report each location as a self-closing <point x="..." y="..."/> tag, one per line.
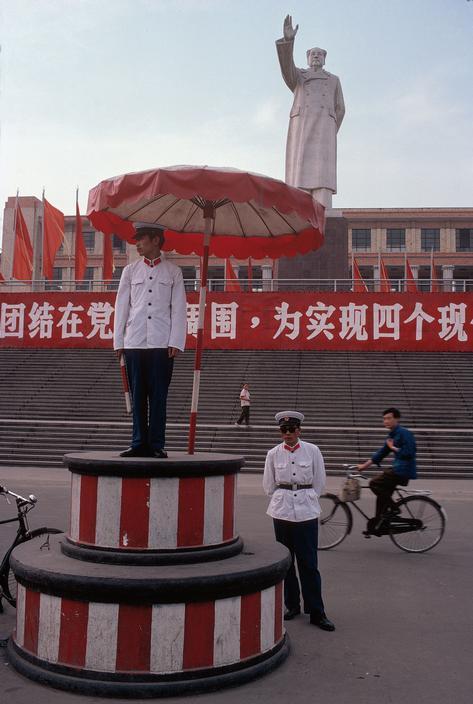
<point x="200" y="335"/>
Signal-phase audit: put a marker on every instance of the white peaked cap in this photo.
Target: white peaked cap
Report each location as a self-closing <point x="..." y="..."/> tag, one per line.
<point x="287" y="416"/>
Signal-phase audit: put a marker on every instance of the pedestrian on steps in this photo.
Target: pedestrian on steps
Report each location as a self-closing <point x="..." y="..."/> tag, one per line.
<point x="245" y="406"/>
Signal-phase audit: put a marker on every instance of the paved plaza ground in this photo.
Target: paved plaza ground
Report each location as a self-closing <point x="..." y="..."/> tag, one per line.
<point x="404" y="622"/>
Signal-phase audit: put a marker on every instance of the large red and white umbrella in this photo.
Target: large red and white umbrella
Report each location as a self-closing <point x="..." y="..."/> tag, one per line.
<point x="207" y="210"/>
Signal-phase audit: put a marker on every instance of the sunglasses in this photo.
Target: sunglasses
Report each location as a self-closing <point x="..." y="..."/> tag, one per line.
<point x="288" y="428"/>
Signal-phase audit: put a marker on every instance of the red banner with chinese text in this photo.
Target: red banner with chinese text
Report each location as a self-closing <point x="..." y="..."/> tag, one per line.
<point x="299" y="321"/>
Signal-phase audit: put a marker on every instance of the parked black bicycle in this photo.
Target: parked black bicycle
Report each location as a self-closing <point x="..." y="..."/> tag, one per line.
<point x="416" y="524"/>
<point x="23" y="534"/>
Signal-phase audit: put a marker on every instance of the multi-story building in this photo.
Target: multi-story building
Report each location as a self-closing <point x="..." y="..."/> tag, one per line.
<point x="63" y="271"/>
<point x="418" y="234"/>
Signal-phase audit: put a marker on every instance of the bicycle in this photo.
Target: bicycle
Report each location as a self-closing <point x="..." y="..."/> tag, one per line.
<point x="23" y="534"/>
<point x="416" y="524"/>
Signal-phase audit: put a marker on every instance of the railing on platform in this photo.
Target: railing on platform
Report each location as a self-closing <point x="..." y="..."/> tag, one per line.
<point x="245" y="285"/>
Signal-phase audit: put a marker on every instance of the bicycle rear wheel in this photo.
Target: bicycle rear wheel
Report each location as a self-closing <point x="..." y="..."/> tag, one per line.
<point x="335" y="521"/>
<point x="432" y="524"/>
<point x="7" y="578"/>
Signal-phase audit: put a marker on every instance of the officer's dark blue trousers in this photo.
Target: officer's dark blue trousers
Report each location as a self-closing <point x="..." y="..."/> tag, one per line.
<point x="149" y="373"/>
<point x="301" y="539"/>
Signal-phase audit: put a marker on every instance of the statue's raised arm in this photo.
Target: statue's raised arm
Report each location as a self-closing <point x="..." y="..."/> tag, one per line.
<point x="317" y="113"/>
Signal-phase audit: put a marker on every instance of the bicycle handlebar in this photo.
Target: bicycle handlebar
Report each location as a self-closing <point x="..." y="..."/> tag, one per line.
<point x="354" y="475"/>
<point x="30" y="500"/>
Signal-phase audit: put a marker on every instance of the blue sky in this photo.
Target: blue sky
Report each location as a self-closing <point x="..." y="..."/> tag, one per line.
<point x="95" y="88"/>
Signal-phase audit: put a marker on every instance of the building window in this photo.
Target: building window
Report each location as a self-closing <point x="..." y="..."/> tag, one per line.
<point x="430" y="239"/>
<point x="87" y="283"/>
<point x="113" y="285"/>
<point x="55" y="284"/>
<point x="395" y="240"/>
<point x="216" y="277"/>
<point x="118" y="244"/>
<point x="361" y="239"/>
<point x="464" y="239"/>
<point x="188" y="273"/>
<point x="89" y="240"/>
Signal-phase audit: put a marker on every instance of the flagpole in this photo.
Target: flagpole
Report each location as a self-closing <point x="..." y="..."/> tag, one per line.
<point x="74" y="243"/>
<point x="380" y="286"/>
<point x="15" y="216"/>
<point x="42" y="239"/>
<point x="405" y="271"/>
<point x="431" y="270"/>
<point x="352" y="271"/>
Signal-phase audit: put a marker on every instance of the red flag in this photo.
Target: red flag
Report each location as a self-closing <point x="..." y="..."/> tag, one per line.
<point x="434" y="284"/>
<point x="358" y="281"/>
<point x="411" y="283"/>
<point x="80" y="251"/>
<point x="23" y="251"/>
<point x="107" y="270"/>
<point x="53" y="236"/>
<point x="250" y="274"/>
<point x="231" y="279"/>
<point x="384" y="284"/>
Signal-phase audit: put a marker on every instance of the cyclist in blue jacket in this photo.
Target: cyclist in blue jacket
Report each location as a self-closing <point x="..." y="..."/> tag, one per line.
<point x="401" y="442"/>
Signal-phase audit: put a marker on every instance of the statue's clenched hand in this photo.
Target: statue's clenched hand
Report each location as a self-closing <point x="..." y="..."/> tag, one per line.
<point x="289" y="31"/>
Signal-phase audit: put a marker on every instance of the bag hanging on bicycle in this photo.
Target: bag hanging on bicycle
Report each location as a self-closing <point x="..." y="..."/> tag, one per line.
<point x="351" y="490"/>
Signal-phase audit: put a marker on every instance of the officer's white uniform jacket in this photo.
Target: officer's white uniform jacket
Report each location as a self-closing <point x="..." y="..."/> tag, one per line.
<point x="303" y="466"/>
<point x="150" y="308"/>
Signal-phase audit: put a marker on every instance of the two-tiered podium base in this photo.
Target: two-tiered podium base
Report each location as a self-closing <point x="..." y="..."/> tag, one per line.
<point x="151" y="593"/>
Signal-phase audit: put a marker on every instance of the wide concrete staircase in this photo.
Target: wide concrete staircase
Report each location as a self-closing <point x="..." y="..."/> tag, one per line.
<point x="57" y="401"/>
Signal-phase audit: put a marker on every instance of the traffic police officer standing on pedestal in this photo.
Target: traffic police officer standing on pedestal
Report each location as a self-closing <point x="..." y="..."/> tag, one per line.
<point x="294" y="478"/>
<point x="150" y="329"/>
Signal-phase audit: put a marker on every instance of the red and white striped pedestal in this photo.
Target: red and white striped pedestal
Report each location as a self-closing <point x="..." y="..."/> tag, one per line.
<point x="142" y="511"/>
<point x="159" y="625"/>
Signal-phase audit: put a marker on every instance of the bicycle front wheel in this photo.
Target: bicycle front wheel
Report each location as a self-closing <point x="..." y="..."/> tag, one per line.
<point x="335" y="521"/>
<point x="9" y="584"/>
<point x="431" y="517"/>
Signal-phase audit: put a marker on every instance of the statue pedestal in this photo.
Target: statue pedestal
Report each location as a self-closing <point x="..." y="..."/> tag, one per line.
<point x="152" y="592"/>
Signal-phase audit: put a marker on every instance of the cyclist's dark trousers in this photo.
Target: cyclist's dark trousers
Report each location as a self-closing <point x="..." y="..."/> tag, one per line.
<point x="244" y="415"/>
<point x="301" y="539"/>
<point x="149" y="373"/>
<point x="383" y="486"/>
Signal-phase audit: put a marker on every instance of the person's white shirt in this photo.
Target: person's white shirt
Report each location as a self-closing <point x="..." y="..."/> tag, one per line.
<point x="244" y="397"/>
<point x="304" y="465"/>
<point x="150" y="308"/>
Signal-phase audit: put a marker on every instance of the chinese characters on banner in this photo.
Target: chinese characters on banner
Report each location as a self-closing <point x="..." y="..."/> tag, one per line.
<point x="338" y="321"/>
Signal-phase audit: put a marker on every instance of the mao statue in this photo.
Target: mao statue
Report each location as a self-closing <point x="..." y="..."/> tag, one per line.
<point x="316" y="115"/>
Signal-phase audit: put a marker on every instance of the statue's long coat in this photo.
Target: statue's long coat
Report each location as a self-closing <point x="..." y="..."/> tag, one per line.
<point x="316" y="115"/>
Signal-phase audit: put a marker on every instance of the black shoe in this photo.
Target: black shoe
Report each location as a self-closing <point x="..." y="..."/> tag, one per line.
<point x="289" y="614"/>
<point x="135" y="452"/>
<point x="320" y="620"/>
<point x="159" y="454"/>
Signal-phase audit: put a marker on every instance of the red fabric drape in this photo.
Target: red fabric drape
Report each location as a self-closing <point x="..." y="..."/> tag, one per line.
<point x="411" y="284"/>
<point x="53" y="236"/>
<point x="231" y="279"/>
<point x="384" y="283"/>
<point x="358" y="281"/>
<point x="23" y="250"/>
<point x="107" y="271"/>
<point x="80" y="251"/>
<point x="435" y="286"/>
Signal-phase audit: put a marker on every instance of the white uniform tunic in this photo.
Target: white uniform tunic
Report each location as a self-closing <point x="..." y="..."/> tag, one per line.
<point x="150" y="309"/>
<point x="305" y="465"/>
